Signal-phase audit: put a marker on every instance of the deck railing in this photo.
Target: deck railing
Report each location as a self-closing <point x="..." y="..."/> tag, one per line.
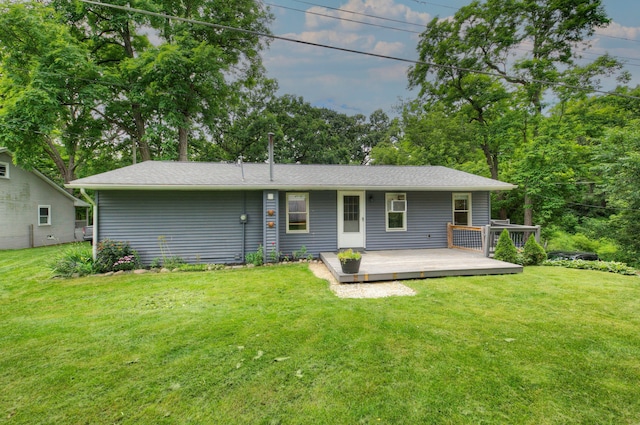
<point x="484" y="238"/>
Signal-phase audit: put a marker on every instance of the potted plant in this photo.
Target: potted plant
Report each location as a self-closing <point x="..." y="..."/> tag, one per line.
<point x="349" y="261"/>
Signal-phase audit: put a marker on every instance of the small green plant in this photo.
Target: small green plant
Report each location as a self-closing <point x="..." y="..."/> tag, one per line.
<point x="299" y="254"/>
<point x="533" y="254"/>
<point x="348" y="254"/>
<point x="173" y="262"/>
<point x="274" y="255"/>
<point x="76" y="260"/>
<point x="192" y="267"/>
<point x="505" y="249"/>
<point x="115" y="256"/>
<point x="255" y="258"/>
<point x="603" y="266"/>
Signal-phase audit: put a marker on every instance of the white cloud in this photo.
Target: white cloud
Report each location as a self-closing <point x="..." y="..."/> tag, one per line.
<point x="388" y="49"/>
<point x="616" y="30"/>
<point x="392" y="73"/>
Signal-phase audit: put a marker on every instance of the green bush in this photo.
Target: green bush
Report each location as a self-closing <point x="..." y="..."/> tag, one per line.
<point x="76" y="260"/>
<point x="533" y="254"/>
<point x="255" y="258"/>
<point x="603" y="266"/>
<point x="505" y="249"/>
<point x="115" y="256"/>
<point x="173" y="262"/>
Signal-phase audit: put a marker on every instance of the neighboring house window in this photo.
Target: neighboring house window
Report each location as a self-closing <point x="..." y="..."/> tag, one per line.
<point x="4" y="170"/>
<point x="44" y="215"/>
<point x="396" y="211"/>
<point x="462" y="209"/>
<point x="297" y="213"/>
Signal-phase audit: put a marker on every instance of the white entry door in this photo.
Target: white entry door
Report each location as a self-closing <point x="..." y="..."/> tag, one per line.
<point x="351" y="222"/>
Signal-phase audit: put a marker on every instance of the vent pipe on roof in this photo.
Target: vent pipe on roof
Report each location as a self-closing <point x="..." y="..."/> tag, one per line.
<point x="270" y="156"/>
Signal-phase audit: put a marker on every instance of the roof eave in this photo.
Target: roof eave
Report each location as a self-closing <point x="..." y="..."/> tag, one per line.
<point x="103" y="186"/>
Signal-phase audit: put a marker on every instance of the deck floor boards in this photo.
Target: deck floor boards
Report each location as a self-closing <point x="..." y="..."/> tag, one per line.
<point x="418" y="264"/>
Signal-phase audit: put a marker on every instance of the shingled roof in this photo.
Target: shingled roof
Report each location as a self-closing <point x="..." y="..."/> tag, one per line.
<point x="163" y="175"/>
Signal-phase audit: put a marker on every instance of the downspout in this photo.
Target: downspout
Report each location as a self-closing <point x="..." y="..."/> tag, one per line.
<point x="94" y="246"/>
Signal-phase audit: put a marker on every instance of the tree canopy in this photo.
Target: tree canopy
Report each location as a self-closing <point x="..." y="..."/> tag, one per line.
<point x="87" y="88"/>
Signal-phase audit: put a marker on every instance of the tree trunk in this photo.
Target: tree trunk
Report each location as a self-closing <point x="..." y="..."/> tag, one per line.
<point x="528" y="210"/>
<point x="67" y="174"/>
<point x="138" y="119"/>
<point x="183" y="140"/>
<point x="145" y="152"/>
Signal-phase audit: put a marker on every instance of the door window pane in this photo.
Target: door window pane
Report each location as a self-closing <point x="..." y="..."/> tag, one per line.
<point x="351" y="214"/>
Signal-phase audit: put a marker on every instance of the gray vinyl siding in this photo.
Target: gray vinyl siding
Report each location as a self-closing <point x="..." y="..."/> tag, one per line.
<point x="197" y="226"/>
<point x="20" y="196"/>
<point x="205" y="226"/>
<point x="271" y="236"/>
<point x="323" y="227"/>
<point x="481" y="208"/>
<point x="427" y="216"/>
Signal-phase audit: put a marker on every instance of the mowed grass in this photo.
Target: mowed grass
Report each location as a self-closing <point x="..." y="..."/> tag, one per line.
<point x="273" y="345"/>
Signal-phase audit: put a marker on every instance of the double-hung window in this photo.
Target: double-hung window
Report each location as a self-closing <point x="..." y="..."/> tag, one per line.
<point x="297" y="212"/>
<point x="396" y="211"/>
<point x="44" y="215"/>
<point x="4" y="170"/>
<point x="462" y="209"/>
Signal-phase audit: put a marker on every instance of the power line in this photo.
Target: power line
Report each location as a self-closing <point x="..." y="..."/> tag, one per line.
<point x="361" y="14"/>
<point x="347" y="50"/>
<point x="344" y="19"/>
<point x="456" y="9"/>
<point x="623" y="58"/>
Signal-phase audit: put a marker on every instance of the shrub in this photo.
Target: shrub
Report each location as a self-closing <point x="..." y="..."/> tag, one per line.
<point x="533" y="254"/>
<point x="77" y="260"/>
<point x="255" y="258"/>
<point x="505" y="249"/>
<point x="115" y="256"/>
<point x="173" y="262"/>
<point x="603" y="266"/>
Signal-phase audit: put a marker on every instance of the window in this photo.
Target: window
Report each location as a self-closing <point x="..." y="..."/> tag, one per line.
<point x="4" y="170"/>
<point x="462" y="209"/>
<point x="396" y="211"/>
<point x="44" y="215"/>
<point x="297" y="213"/>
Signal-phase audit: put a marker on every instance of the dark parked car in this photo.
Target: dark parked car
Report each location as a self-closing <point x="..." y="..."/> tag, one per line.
<point x="572" y="255"/>
<point x="87" y="233"/>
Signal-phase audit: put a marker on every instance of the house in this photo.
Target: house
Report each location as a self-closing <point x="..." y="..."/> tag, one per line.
<point x="219" y="212"/>
<point x="34" y="211"/>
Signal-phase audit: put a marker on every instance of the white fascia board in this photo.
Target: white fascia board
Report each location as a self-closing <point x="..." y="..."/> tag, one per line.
<point x="103" y="186"/>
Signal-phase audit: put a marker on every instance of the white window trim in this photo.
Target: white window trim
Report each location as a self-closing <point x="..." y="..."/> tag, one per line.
<point x="48" y="223"/>
<point x="390" y="197"/>
<point x="6" y="168"/>
<point x="469" y="203"/>
<point x="306" y="198"/>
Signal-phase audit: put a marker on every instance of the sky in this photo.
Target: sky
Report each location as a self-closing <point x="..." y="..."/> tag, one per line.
<point x="356" y="84"/>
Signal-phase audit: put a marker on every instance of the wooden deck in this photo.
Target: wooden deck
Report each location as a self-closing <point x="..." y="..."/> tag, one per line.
<point x="418" y="264"/>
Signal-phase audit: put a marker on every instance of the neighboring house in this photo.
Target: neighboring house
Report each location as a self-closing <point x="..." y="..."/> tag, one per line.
<point x="218" y="212"/>
<point x="34" y="211"/>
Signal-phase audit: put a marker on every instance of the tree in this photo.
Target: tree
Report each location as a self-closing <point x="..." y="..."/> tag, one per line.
<point x="48" y="88"/>
<point x="470" y="58"/>
<point x="505" y="248"/>
<point x="431" y="135"/>
<point x="181" y="86"/>
<point x="619" y="163"/>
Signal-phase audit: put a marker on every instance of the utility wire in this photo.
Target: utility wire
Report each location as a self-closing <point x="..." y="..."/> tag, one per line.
<point x="360" y="13"/>
<point x="343" y="19"/>
<point x="347" y="50"/>
<point x="411" y="23"/>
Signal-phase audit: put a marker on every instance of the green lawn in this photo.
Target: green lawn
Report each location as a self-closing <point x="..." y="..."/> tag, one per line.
<point x="273" y="345"/>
